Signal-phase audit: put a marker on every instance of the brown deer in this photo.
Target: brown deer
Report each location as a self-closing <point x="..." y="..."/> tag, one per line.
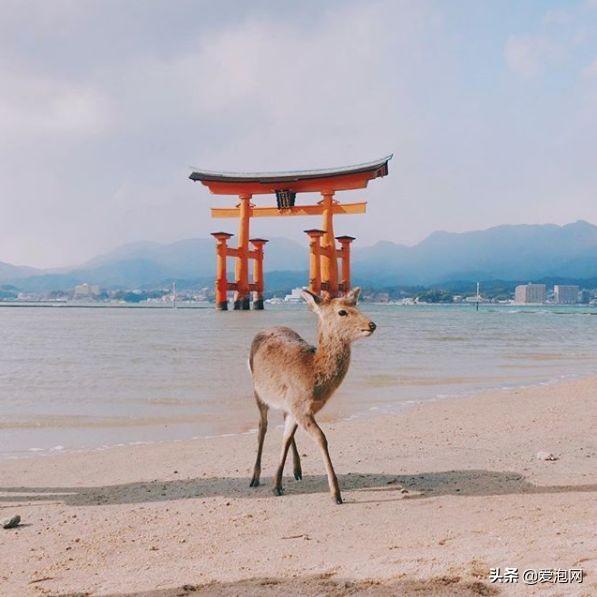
<point x="291" y="375"/>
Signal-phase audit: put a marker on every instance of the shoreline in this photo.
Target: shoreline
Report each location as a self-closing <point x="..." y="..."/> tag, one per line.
<point x="434" y="497"/>
<point x="395" y="409"/>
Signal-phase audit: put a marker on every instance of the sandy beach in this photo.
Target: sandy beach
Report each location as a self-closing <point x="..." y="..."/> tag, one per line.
<point x="434" y="498"/>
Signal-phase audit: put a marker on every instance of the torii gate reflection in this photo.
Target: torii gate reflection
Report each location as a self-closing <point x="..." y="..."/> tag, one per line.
<point x="324" y="253"/>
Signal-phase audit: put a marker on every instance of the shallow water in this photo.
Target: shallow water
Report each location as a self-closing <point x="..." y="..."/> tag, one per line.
<point x="75" y="378"/>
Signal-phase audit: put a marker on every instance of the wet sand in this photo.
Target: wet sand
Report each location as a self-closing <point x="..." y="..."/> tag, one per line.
<point x="434" y="497"/>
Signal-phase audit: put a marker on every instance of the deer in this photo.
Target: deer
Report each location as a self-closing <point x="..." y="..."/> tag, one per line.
<point x="291" y="375"/>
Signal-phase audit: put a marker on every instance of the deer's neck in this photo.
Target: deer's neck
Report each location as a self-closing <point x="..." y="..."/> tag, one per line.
<point x="332" y="359"/>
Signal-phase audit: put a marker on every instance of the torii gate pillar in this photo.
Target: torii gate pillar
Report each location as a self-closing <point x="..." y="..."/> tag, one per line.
<point x="329" y="263"/>
<point x="315" y="259"/>
<point x="241" y="294"/>
<point x="258" y="285"/>
<point x="221" y="279"/>
<point x="344" y="254"/>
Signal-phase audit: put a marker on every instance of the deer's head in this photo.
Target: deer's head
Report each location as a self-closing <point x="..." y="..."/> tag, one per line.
<point x="340" y="316"/>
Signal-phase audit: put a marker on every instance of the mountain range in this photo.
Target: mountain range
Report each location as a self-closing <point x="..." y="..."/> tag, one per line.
<point x="509" y="252"/>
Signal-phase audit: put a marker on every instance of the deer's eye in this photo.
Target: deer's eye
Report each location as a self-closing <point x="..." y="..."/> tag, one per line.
<point x="342" y="313"/>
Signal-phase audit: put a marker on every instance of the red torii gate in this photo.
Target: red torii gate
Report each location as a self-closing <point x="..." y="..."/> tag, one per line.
<point x="285" y="185"/>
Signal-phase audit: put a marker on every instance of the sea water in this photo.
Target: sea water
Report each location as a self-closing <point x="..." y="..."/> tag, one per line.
<point x="80" y="378"/>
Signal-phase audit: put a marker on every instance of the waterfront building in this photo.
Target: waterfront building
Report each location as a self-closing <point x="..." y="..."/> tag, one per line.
<point x="530" y="294"/>
<point x="295" y="296"/>
<point x="86" y="291"/>
<point x="565" y="295"/>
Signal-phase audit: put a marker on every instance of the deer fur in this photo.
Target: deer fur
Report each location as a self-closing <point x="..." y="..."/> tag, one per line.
<point x="291" y="375"/>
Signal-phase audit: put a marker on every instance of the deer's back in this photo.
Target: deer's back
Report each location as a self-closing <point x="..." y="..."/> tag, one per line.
<point x="281" y="363"/>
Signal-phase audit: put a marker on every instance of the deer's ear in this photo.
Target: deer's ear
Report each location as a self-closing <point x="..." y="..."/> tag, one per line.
<point x="311" y="299"/>
<point x="352" y="296"/>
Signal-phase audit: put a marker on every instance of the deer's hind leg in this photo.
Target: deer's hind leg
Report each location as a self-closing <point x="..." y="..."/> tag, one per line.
<point x="263" y="408"/>
<point x="296" y="459"/>
<point x="289" y="429"/>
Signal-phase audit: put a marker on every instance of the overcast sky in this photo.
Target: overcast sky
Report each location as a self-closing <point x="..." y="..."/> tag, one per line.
<point x="490" y="108"/>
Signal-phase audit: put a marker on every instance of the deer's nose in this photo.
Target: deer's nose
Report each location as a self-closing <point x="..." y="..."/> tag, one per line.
<point x="372" y="326"/>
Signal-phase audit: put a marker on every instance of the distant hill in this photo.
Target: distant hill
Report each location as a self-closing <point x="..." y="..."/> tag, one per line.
<point x="16" y="272"/>
<point x="521" y="252"/>
<point x="147" y="264"/>
<point x="195" y="257"/>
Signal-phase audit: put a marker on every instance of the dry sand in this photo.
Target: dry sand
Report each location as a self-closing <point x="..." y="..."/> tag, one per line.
<point x="434" y="497"/>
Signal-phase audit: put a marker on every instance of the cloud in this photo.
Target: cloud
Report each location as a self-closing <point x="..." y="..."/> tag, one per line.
<point x="267" y="78"/>
<point x="105" y="103"/>
<point x="37" y="105"/>
<point x="530" y="55"/>
<point x="109" y="135"/>
<point x="560" y="36"/>
<point x="590" y="71"/>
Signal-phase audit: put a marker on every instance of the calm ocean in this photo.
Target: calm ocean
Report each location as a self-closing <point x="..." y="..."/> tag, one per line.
<point x="73" y="378"/>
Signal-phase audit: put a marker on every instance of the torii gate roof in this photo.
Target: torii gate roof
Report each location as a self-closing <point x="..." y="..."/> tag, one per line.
<point x="344" y="178"/>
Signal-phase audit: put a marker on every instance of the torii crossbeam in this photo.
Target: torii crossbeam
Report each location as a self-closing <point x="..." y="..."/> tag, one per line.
<point x="285" y="186"/>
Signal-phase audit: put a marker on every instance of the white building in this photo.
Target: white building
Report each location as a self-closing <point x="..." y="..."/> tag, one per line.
<point x="294" y="296"/>
<point x="530" y="294"/>
<point x="86" y="291"/>
<point x="565" y="295"/>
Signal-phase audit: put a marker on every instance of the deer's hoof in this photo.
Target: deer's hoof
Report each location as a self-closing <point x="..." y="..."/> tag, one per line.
<point x="337" y="499"/>
<point x="298" y="475"/>
<point x="278" y="491"/>
<point x="254" y="483"/>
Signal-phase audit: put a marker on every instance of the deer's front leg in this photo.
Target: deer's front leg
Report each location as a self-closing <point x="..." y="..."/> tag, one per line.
<point x="289" y="429"/>
<point x="309" y="424"/>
